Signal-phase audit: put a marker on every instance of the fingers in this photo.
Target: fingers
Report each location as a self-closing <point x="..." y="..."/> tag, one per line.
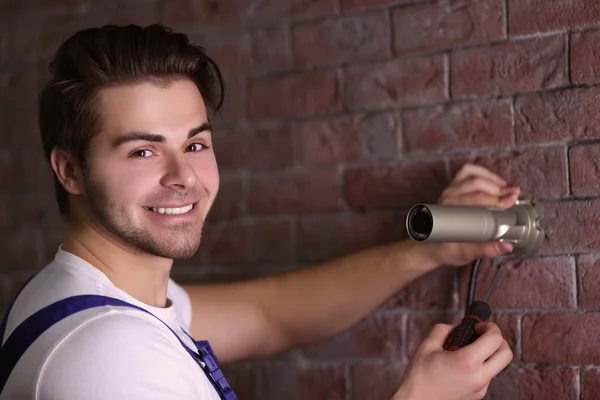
<point x="470" y="170"/>
<point x="490" y="250"/>
<point x="436" y="338"/>
<point x="487" y="344"/>
<point x="481" y="394"/>
<point x="498" y="361"/>
<point x="480" y="199"/>
<point x="476" y="184"/>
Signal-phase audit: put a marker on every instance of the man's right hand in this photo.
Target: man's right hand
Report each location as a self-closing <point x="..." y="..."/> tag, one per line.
<point x="464" y="374"/>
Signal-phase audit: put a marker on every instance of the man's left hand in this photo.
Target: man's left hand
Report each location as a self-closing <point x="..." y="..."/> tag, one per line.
<point x="474" y="185"/>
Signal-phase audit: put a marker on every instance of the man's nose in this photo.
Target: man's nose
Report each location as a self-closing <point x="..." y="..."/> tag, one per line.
<point x="179" y="173"/>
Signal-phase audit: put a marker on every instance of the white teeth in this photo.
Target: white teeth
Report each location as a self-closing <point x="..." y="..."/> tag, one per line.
<point x="180" y="210"/>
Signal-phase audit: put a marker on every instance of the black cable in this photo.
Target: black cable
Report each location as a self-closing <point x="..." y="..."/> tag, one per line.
<point x="472" y="281"/>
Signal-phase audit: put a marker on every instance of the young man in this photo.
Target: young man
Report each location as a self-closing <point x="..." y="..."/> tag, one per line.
<point x="125" y="123"/>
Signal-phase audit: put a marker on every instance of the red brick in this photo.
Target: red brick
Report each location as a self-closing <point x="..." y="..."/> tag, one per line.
<point x="327" y="141"/>
<point x="589" y="280"/>
<point x="375" y="381"/>
<point x="352" y="233"/>
<point x="561" y="338"/>
<point x="4" y="211"/>
<point x="571" y="227"/>
<point x="434" y="290"/>
<point x="247" y="242"/>
<point x="20" y="249"/>
<point x="312" y="190"/>
<point x="253" y="148"/>
<point x="355" y="4"/>
<point x="526" y="283"/>
<point x="376" y="337"/>
<point x="301" y="381"/>
<point x="314" y="92"/>
<point x="347" y="39"/>
<point x="583" y="166"/>
<point x="458" y="126"/>
<point x="12" y="7"/>
<point x="36" y="208"/>
<point x="584" y="57"/>
<point x="558" y="115"/>
<point x="590" y="384"/>
<point x="22" y="130"/>
<point x="540" y="171"/>
<point x="20" y="39"/>
<point x="382" y="133"/>
<point x="532" y="16"/>
<point x="234" y="107"/>
<point x="61" y="7"/>
<point x="267" y="11"/>
<point x="25" y="170"/>
<point x="243" y="379"/>
<point x="396" y="83"/>
<point x="346" y="139"/>
<point x="19" y="86"/>
<point x="419" y="327"/>
<point x="258" y="50"/>
<point x="394" y="185"/>
<point x="184" y="14"/>
<point x="510" y="67"/>
<point x="442" y="25"/>
<point x="228" y="203"/>
<point x="543" y="382"/>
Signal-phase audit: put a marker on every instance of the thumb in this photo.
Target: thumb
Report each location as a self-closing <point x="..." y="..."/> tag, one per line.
<point x="493" y="249"/>
<point x="436" y="338"/>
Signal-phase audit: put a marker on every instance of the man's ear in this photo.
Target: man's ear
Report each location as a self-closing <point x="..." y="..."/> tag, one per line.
<point x="67" y="171"/>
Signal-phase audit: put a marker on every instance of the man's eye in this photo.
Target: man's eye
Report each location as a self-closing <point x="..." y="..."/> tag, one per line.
<point x="142" y="153"/>
<point x="196" y="147"/>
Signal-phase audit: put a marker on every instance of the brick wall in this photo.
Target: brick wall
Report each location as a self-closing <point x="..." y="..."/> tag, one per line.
<point x="340" y="115"/>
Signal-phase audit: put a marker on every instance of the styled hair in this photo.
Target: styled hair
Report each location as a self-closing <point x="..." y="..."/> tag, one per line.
<point x="97" y="58"/>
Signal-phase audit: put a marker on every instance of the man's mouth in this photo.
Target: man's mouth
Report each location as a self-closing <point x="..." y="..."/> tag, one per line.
<point x="171" y="210"/>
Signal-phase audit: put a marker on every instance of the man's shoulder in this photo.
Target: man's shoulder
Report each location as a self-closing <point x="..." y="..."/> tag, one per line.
<point x="123" y="352"/>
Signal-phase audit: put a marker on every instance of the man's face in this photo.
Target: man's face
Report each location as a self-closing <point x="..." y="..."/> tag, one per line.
<point x="151" y="175"/>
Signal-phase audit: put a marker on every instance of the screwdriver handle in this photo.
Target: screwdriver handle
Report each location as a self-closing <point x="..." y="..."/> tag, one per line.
<point x="464" y="333"/>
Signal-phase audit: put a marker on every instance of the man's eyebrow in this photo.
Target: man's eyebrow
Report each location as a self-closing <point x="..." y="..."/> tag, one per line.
<point x="153" y="137"/>
<point x="202" y="128"/>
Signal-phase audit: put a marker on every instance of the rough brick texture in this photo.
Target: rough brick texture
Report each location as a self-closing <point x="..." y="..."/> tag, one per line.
<point x="339" y="115"/>
<point x="533" y="16"/>
<point x="444" y="25"/>
<point x="356" y="38"/>
<point x="509" y="67"/>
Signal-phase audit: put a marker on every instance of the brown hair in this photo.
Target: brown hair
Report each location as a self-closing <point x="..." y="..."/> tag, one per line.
<point x="110" y="55"/>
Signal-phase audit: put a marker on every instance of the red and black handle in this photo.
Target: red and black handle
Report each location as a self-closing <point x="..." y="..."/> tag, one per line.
<point x="464" y="333"/>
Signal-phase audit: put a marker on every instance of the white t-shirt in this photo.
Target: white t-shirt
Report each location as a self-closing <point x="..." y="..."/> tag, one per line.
<point x="108" y="352"/>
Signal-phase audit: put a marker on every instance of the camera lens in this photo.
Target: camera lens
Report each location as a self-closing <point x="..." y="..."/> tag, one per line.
<point x="420" y="223"/>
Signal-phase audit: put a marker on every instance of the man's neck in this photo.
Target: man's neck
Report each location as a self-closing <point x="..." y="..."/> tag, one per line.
<point x="142" y="276"/>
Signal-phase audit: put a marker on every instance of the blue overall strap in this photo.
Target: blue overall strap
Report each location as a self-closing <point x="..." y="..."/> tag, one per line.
<point x="36" y="324"/>
<point x="5" y="319"/>
<point x="212" y="367"/>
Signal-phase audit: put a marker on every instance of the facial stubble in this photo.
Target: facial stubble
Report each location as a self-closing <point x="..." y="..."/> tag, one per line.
<point x="176" y="242"/>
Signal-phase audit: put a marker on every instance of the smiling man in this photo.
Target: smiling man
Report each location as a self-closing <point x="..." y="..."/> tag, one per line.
<point x="125" y="123"/>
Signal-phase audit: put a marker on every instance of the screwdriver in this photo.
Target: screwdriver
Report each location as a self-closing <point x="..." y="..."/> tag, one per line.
<point x="479" y="311"/>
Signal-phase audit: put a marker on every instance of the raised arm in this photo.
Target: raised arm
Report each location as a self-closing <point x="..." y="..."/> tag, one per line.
<point x="269" y="315"/>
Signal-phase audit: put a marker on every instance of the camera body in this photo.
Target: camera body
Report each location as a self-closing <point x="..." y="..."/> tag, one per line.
<point x="520" y="224"/>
